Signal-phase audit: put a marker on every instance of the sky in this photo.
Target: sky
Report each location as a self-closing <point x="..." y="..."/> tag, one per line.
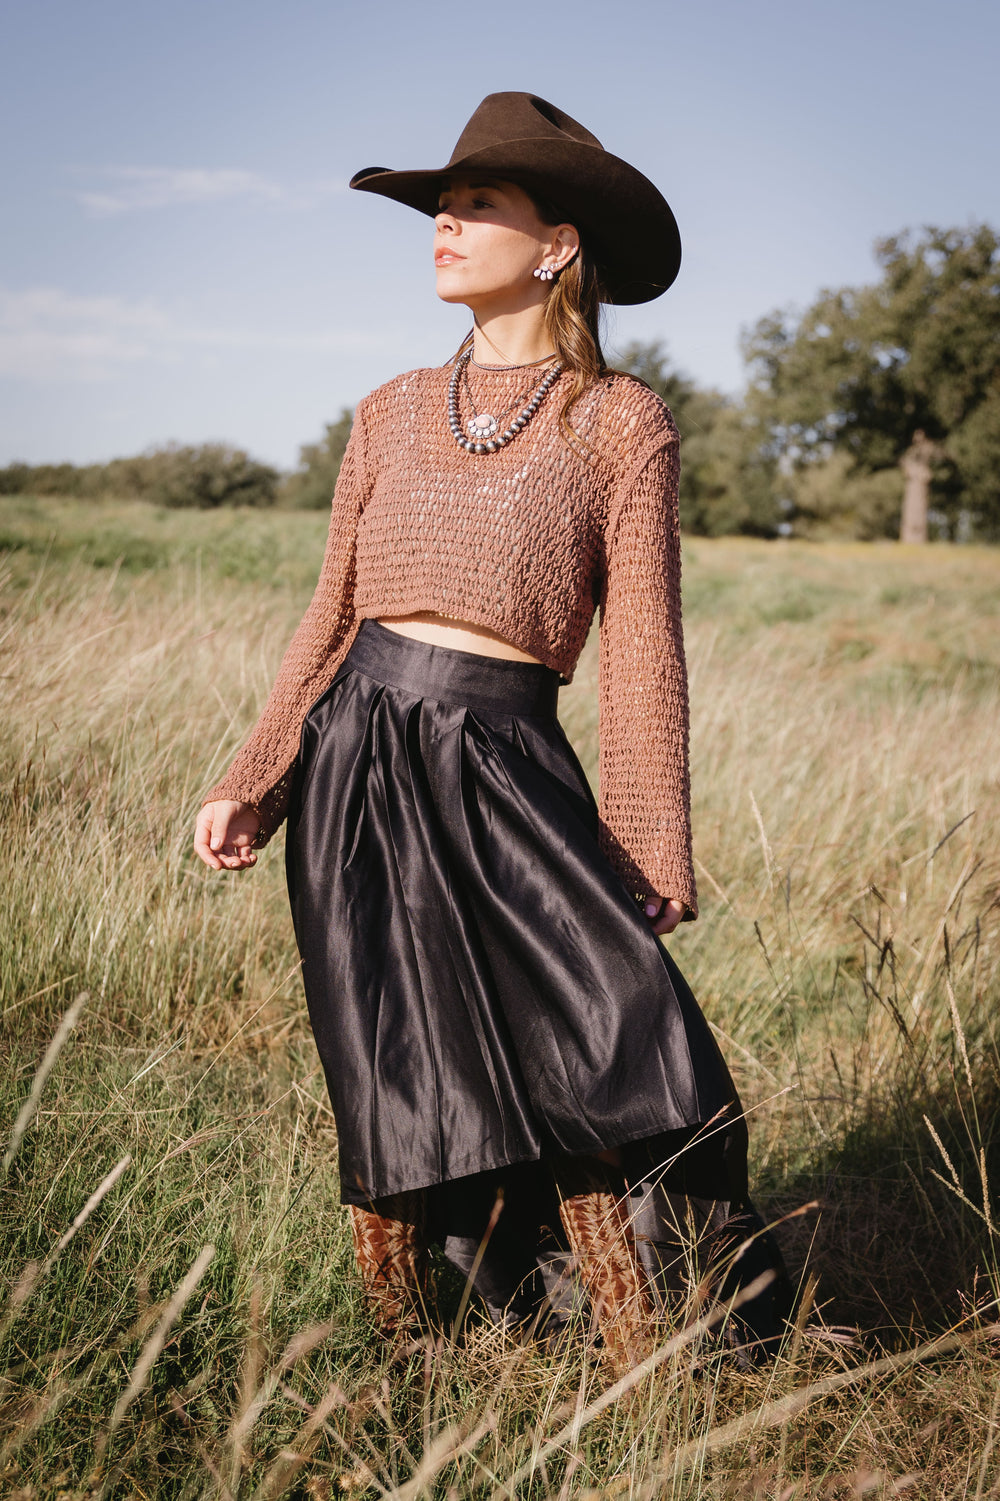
<point x="181" y="258"/>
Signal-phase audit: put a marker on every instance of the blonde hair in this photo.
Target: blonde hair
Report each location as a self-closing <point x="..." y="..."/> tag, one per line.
<point x="572" y="317"/>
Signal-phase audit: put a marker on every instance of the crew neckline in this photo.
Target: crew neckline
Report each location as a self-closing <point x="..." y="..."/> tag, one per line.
<point x="531" y="365"/>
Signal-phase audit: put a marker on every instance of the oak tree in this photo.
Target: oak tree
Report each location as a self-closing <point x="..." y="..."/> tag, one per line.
<point x="901" y="377"/>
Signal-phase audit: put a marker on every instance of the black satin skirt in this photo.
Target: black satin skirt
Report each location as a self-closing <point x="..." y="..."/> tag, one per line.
<point x="483" y="990"/>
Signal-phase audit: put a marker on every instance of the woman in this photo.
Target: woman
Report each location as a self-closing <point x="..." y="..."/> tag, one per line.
<point x="517" y="1068"/>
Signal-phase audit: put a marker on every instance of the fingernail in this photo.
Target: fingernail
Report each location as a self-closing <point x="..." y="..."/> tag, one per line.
<point x="651" y="909"/>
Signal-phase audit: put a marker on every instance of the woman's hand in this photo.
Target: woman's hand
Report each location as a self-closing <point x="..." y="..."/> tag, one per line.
<point x="664" y="912"/>
<point x="224" y="835"/>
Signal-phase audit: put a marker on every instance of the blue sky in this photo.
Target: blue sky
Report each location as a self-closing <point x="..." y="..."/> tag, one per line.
<point x="181" y="257"/>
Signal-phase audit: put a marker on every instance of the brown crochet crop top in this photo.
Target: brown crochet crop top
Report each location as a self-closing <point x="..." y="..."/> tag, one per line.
<point x="527" y="541"/>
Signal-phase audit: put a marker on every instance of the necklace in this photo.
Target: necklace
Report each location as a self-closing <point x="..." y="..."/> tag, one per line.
<point x="483" y="425"/>
<point x="486" y="338"/>
<point x="529" y="364"/>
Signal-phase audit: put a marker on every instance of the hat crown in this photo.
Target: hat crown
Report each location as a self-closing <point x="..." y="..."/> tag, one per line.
<point x="516" y="116"/>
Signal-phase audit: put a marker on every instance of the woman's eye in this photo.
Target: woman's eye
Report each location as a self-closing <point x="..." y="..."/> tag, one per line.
<point x="476" y="203"/>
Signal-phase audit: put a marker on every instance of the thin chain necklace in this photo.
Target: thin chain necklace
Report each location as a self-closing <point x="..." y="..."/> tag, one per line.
<point x="528" y="364"/>
<point x="483" y="426"/>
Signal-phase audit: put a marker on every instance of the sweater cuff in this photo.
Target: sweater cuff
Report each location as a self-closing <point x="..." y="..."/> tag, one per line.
<point x="270" y="805"/>
<point x="673" y="875"/>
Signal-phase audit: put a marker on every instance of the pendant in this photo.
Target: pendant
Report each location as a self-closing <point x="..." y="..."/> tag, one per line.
<point x="481" y="426"/>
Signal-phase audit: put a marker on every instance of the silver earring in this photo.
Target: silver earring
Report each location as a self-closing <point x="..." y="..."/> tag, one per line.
<point x="543" y="273"/>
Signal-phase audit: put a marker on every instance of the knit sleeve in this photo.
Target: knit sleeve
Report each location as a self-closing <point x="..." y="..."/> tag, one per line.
<point x="261" y="773"/>
<point x="644" y="792"/>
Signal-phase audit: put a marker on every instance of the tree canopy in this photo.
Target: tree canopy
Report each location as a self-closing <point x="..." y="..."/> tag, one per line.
<point x="310" y="486"/>
<point x="901" y="378"/>
<point x="726" y="476"/>
<point x="203" y="476"/>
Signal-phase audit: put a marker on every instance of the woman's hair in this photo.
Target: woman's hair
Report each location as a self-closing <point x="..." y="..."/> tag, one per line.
<point x="572" y="320"/>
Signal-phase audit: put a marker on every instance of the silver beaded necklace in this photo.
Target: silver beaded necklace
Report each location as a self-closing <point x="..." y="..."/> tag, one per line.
<point x="483" y="427"/>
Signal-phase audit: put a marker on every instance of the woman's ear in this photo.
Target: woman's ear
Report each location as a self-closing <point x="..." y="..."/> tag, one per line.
<point x="564" y="245"/>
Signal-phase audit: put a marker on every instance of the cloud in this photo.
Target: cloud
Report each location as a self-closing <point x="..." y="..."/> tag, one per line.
<point x="125" y="190"/>
<point x="50" y="335"/>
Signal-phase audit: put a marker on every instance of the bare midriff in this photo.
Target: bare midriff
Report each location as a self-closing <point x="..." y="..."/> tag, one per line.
<point x="462" y="635"/>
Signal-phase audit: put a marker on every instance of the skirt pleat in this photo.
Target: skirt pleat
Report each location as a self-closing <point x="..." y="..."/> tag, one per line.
<point x="482" y="988"/>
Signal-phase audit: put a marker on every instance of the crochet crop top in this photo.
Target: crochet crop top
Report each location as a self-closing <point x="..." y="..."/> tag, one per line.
<point x="527" y="541"/>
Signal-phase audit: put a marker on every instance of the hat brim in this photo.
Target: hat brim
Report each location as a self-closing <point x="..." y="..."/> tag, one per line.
<point x="627" y="224"/>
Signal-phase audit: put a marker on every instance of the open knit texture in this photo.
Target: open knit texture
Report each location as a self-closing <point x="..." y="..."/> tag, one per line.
<point x="527" y="541"/>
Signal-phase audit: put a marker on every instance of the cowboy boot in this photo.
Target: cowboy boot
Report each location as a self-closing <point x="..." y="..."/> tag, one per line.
<point x="741" y="1251"/>
<point x="390" y="1245"/>
<point x="595" y="1217"/>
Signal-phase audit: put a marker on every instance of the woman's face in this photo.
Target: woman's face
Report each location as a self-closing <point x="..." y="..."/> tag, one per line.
<point x="488" y="239"/>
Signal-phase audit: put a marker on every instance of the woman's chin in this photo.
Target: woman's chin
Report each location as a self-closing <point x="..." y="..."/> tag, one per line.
<point x="449" y="290"/>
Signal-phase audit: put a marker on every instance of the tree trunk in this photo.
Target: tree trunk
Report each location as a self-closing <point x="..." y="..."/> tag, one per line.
<point x="916" y="467"/>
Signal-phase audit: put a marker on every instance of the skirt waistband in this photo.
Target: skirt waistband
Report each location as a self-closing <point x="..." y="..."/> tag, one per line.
<point x="453" y="676"/>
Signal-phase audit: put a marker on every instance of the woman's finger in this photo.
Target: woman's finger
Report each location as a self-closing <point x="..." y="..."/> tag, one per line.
<point x="673" y="912"/>
<point x="664" y="913"/>
<point x="203" y="838"/>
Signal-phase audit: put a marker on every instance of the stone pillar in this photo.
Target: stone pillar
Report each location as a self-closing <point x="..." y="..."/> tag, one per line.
<point x="917" y="472"/>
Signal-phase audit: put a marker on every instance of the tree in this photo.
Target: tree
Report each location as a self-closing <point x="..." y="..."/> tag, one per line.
<point x="727" y="479"/>
<point x="901" y="376"/>
<point x="310" y="487"/>
<point x="832" y="498"/>
<point x="213" y="474"/>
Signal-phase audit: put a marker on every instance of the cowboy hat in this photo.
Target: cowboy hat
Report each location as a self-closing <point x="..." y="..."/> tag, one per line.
<point x="625" y="221"/>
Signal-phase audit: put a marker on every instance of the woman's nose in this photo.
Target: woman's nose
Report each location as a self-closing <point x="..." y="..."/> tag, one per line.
<point x="445" y="220"/>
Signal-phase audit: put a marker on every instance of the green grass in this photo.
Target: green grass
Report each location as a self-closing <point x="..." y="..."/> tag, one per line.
<point x="271" y="548"/>
<point x="847" y="788"/>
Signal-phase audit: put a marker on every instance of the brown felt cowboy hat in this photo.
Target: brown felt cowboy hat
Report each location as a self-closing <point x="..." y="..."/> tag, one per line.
<point x="625" y="221"/>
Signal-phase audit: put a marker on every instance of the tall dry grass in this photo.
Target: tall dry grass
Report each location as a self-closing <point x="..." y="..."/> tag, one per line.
<point x="180" y="1316"/>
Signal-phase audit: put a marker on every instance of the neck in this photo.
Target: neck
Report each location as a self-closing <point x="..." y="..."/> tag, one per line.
<point x="511" y="338"/>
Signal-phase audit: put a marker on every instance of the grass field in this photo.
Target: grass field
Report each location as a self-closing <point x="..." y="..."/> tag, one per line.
<point x="196" y="1331"/>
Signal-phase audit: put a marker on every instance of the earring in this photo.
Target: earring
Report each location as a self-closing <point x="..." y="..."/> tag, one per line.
<point x="544" y="273"/>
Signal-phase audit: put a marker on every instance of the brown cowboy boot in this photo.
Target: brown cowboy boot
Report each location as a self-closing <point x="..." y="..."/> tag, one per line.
<point x="391" y="1249"/>
<point x="594" y="1213"/>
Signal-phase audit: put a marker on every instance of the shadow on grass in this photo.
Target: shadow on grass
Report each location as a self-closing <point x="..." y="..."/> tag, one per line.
<point x="903" y="1244"/>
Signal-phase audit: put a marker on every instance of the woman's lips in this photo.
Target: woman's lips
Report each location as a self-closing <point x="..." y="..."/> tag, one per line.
<point x="446" y="257"/>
